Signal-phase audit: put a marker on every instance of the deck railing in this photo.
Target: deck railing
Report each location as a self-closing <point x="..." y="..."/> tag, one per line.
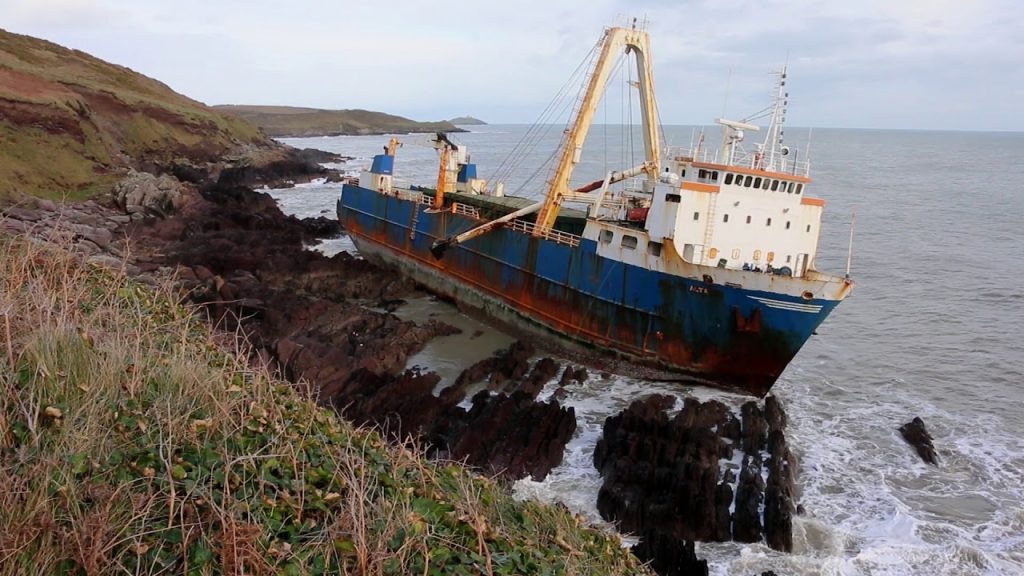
<point x="745" y="159"/>
<point x="465" y="210"/>
<point x="553" y="235"/>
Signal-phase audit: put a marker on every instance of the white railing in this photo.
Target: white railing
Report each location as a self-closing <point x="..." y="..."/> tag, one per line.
<point x="553" y="235"/>
<point x="465" y="210"/>
<point x="745" y="159"/>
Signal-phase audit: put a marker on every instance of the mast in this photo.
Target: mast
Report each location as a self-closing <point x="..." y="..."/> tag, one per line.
<point x="615" y="40"/>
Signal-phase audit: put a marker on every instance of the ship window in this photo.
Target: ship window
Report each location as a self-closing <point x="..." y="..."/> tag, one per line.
<point x="769" y="222"/>
<point x="771" y="257"/>
<point x="713" y="253"/>
<point x="673" y="198"/>
<point x="787" y="224"/>
<point x="735" y="253"/>
<point x="757" y="255"/>
<point x="728" y="179"/>
<point x="748" y="219"/>
<point x="790" y="188"/>
<point x="714" y="175"/>
<point x="696" y="215"/>
<point x="629" y="242"/>
<point x="775" y="185"/>
<point x="606" y="236"/>
<point x="808" y="227"/>
<point x="757" y="182"/>
<point x="799" y="188"/>
<point x="747" y="181"/>
<point x="654" y="248"/>
<point x="682" y="173"/>
<point x="702" y="174"/>
<point x="788" y="258"/>
<point x="725" y="218"/>
<point x="764" y="186"/>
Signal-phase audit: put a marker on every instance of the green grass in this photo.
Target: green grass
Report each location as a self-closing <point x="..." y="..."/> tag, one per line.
<point x="132" y="441"/>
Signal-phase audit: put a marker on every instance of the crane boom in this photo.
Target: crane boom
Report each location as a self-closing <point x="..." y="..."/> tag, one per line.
<point x="615" y="40"/>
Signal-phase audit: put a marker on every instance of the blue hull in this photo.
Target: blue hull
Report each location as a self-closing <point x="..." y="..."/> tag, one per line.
<point x="722" y="335"/>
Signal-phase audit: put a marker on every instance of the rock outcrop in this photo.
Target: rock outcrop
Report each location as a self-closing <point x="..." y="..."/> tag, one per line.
<point x="915" y="433"/>
<point x="147" y="195"/>
<point x="663" y="479"/>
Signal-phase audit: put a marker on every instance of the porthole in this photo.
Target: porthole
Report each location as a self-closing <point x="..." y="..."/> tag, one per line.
<point x="808" y="295"/>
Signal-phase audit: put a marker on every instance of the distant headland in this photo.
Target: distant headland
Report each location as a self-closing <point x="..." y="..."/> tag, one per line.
<point x="289" y="121"/>
<point x="467" y="121"/>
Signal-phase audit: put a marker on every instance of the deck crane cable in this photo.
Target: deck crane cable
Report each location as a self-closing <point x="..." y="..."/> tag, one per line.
<point x="568" y="107"/>
<point x="534" y="134"/>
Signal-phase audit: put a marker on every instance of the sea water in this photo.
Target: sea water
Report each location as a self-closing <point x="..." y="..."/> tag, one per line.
<point x="933" y="329"/>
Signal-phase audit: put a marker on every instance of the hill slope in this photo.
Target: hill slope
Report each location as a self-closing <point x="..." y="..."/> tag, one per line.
<point x="467" y="121"/>
<point x="69" y="121"/>
<point x="285" y="121"/>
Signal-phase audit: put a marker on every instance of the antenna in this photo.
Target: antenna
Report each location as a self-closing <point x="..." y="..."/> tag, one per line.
<point x="849" y="252"/>
<point x="725" y="97"/>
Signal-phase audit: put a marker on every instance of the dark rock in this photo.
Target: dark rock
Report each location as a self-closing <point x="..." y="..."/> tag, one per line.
<point x="322" y="227"/>
<point x="774" y="415"/>
<point x="915" y="433"/>
<point x="668" y="556"/>
<point x="543" y="372"/>
<point x="755" y="429"/>
<point x="749" y="495"/>
<point x="23" y="214"/>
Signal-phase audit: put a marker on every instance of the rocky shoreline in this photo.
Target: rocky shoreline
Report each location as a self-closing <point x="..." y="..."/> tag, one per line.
<point x="324" y="324"/>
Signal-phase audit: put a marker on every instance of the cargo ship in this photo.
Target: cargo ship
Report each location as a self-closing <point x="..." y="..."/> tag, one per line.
<point x="697" y="261"/>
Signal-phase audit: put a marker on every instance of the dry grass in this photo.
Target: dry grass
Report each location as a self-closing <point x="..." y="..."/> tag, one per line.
<point x="131" y="442"/>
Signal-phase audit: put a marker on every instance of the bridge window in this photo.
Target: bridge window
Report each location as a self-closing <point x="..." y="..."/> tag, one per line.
<point x="682" y="173"/>
<point x="629" y="242"/>
<point x="728" y="179"/>
<point x="764" y="186"/>
<point x="799" y="188"/>
<point x="654" y="248"/>
<point x="747" y="181"/>
<point x="775" y="185"/>
<point x="606" y="236"/>
<point x="725" y="218"/>
<point x="790" y="188"/>
<point x="714" y="175"/>
<point x="757" y="182"/>
<point x="673" y="198"/>
<point x="696" y="215"/>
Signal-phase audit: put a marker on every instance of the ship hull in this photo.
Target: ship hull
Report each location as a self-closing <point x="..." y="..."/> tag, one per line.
<point x="721" y="335"/>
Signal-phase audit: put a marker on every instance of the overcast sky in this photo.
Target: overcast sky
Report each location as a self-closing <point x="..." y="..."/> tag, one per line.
<point x="933" y="64"/>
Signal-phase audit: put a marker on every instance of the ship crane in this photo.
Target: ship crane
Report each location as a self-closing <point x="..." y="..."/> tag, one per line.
<point x="615" y="41"/>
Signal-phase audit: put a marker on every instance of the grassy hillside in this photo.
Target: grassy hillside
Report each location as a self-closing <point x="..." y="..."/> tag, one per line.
<point x="131" y="443"/>
<point x="283" y="121"/>
<point x="69" y="121"/>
